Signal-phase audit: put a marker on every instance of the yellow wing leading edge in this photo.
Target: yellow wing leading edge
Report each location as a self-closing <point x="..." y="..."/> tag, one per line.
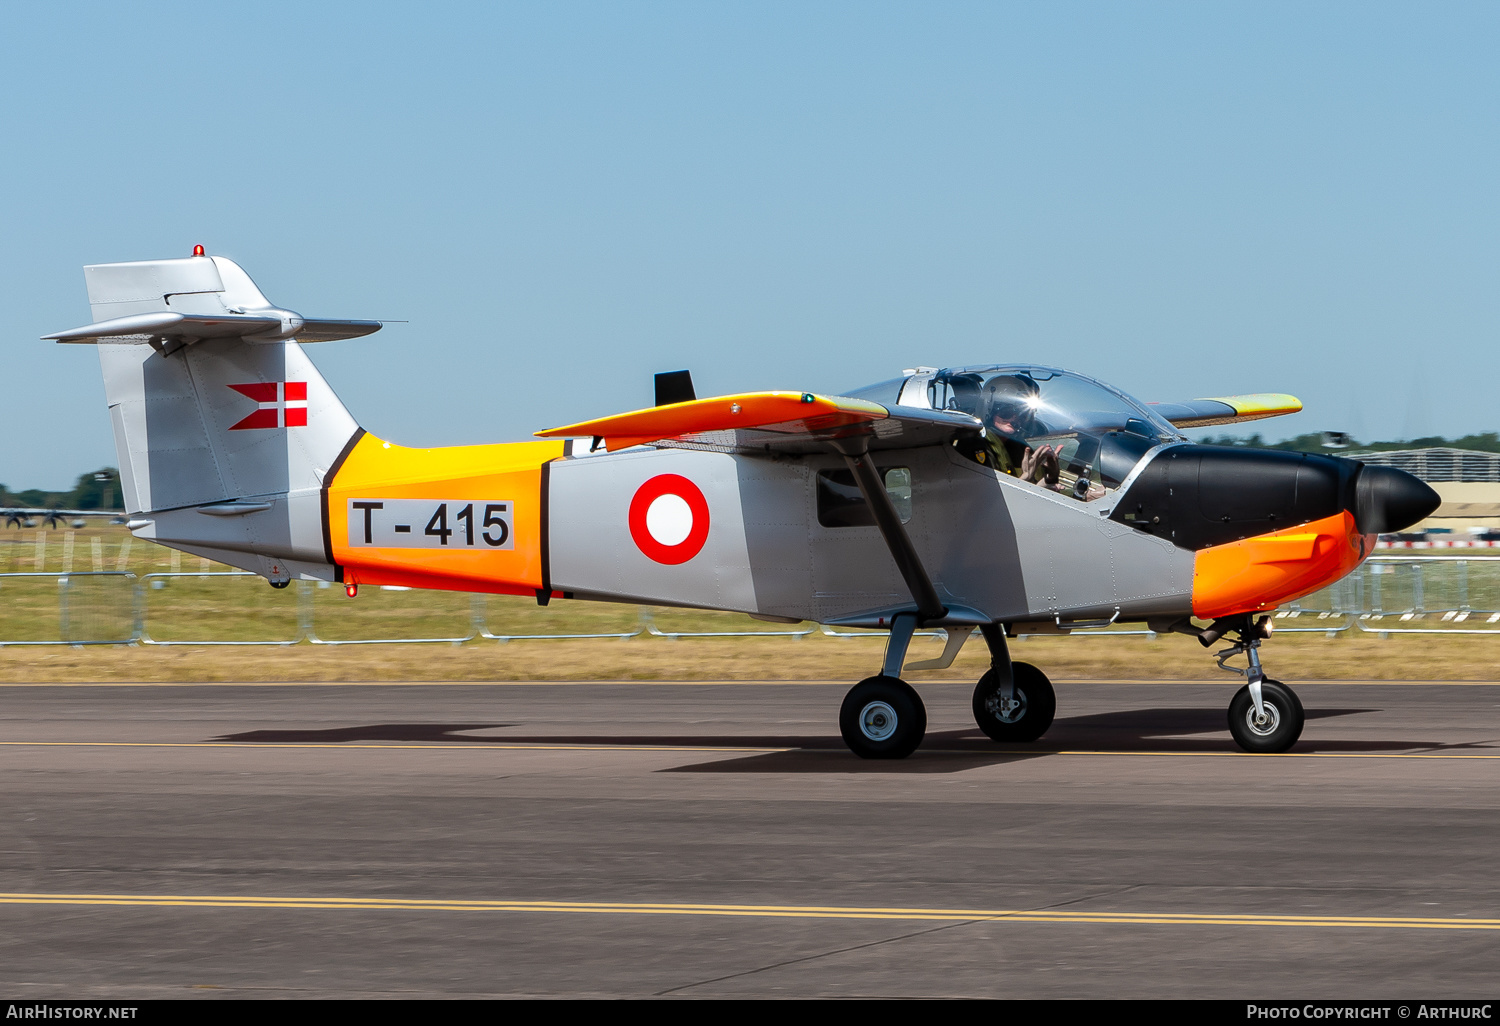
<point x="1229" y="409"/>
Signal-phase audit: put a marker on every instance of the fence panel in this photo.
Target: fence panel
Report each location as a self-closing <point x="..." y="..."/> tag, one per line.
<point x="68" y="609"/>
<point x="1407" y="594"/>
<point x="387" y="615"/>
<point x="225" y="607"/>
<point x="1431" y="595"/>
<point x="701" y="623"/>
<point x="517" y="618"/>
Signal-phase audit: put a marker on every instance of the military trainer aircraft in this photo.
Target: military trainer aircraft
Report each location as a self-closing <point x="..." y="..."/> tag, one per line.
<point x="1009" y="497"/>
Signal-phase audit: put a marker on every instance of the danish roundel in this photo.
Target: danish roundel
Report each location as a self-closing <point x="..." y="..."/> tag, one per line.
<point x="669" y="519"/>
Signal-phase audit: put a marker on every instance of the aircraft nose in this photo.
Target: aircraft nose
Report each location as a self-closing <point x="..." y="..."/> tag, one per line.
<point x="1387" y="499"/>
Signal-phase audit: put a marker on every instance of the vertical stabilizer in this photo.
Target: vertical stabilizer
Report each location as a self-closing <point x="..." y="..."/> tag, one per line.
<point x="226" y="432"/>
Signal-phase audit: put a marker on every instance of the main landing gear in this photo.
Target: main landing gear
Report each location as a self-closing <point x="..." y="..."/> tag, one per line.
<point x="883" y="717"/>
<point x="1265" y="716"/>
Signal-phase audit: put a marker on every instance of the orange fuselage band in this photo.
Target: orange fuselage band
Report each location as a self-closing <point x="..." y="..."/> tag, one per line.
<point x="1262" y="572"/>
<point x="509" y="473"/>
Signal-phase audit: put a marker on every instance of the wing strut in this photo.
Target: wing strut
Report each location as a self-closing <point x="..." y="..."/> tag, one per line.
<point x="929" y="607"/>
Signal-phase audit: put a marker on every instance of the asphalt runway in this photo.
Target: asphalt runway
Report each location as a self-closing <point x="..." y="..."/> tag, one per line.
<point x="716" y="840"/>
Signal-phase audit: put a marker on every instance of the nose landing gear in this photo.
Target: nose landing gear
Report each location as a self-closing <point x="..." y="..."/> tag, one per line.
<point x="1271" y="725"/>
<point x="1265" y="716"/>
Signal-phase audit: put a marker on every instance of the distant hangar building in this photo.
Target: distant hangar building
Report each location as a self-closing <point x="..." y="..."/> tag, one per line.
<point x="1468" y="482"/>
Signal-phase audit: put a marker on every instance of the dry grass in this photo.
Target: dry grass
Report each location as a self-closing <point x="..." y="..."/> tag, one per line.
<point x="194" y="609"/>
<point x="815" y="658"/>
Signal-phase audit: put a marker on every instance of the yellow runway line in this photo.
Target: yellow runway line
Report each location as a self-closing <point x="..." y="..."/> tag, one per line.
<point x="251" y="746"/>
<point x="460" y="746"/>
<point x="762" y="911"/>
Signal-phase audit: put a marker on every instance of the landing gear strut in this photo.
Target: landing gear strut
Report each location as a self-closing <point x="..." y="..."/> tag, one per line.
<point x="1265" y="716"/>
<point x="1012" y="701"/>
<point x="882" y="716"/>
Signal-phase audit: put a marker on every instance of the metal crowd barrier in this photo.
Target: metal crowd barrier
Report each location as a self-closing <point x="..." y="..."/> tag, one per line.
<point x="648" y="621"/>
<point x="503" y="638"/>
<point x="1415" y="595"/>
<point x="81" y="608"/>
<point x="150" y="583"/>
<point x="307" y="616"/>
<point x="1389" y="594"/>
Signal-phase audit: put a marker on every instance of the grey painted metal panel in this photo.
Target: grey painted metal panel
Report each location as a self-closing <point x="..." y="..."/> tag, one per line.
<point x="288" y="529"/>
<point x="1077" y="564"/>
<point x="1012" y="550"/>
<point x="178" y="412"/>
<point x="140" y="286"/>
<point x="967" y="531"/>
<point x="779" y="514"/>
<point x="591" y="549"/>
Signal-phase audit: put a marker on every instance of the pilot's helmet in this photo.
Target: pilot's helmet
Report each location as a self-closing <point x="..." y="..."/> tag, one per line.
<point x="1012" y="399"/>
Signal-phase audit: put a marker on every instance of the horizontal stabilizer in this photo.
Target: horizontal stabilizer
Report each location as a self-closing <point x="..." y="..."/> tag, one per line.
<point x="1230" y="409"/>
<point x="190" y="299"/>
<point x="192" y="327"/>
<point x="322" y="329"/>
<point x="777" y="421"/>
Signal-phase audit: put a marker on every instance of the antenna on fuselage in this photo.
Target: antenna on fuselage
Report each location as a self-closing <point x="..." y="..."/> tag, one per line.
<point x="674" y="387"/>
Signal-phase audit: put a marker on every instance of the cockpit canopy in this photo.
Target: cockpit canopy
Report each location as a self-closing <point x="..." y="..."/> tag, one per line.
<point x="1054" y="428"/>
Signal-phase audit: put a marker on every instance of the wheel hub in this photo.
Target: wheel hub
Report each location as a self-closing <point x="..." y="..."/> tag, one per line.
<point x="877" y="721"/>
<point x="1265" y="724"/>
<point x="1007" y="712"/>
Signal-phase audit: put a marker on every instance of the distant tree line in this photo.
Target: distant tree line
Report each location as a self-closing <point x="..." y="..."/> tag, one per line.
<point x="88" y="493"/>
<point x="1489" y="441"/>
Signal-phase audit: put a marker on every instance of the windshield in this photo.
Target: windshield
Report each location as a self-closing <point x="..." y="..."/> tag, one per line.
<point x="1053" y="428"/>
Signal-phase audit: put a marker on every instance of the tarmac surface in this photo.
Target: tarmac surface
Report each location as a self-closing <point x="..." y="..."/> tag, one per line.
<point x="716" y="840"/>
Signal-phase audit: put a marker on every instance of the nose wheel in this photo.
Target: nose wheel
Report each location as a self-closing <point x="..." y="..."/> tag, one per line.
<point x="1265" y="716"/>
<point x="1272" y="727"/>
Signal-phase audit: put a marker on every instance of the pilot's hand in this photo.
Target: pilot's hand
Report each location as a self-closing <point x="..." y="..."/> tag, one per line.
<point x="1041" y="465"/>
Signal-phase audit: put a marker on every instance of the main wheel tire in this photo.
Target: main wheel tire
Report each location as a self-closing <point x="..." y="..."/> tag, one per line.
<point x="1029" y="720"/>
<point x="882" y="718"/>
<point x="1281" y="725"/>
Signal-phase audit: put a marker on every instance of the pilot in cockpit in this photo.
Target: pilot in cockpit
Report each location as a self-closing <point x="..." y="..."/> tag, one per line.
<point x="1008" y="405"/>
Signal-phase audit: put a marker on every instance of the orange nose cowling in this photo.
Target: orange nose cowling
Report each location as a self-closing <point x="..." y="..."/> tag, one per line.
<point x="1263" y="572"/>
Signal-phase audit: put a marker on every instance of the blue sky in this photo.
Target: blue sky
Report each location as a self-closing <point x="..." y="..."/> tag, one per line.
<point x="1183" y="199"/>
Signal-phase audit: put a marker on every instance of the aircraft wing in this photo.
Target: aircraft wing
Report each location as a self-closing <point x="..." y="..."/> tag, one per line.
<point x="1229" y="409"/>
<point x="772" y="422"/>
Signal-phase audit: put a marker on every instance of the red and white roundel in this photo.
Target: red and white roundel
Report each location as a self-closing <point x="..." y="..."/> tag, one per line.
<point x="669" y="519"/>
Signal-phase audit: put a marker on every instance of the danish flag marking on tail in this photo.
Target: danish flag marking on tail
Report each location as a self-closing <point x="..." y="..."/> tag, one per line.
<point x="282" y="404"/>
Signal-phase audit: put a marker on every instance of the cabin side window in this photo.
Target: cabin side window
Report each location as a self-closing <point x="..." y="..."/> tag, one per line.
<point x="840" y="503"/>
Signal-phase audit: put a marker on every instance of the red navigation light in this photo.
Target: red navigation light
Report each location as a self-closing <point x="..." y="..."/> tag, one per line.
<point x="197" y="251"/>
<point x="351" y="590"/>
